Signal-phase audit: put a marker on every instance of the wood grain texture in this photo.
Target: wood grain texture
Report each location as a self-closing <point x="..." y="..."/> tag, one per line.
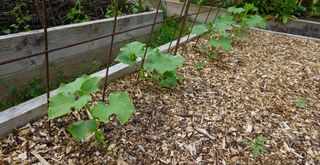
<point x="173" y="8"/>
<point x="70" y="60"/>
<point x="298" y="27"/>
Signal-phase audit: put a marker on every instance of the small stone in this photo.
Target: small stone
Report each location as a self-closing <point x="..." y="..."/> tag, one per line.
<point x="111" y="147"/>
<point x="189" y="129"/>
<point x="249" y="128"/>
<point x="23" y="156"/>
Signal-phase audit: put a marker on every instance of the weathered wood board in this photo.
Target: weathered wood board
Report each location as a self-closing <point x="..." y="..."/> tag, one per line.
<point x="173" y="8"/>
<point x="72" y="59"/>
<point x="298" y="27"/>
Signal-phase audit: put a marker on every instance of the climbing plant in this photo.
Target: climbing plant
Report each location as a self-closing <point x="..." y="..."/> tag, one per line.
<point x="75" y="96"/>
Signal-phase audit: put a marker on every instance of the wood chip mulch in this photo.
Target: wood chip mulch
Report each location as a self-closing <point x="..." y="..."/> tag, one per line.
<point x="253" y="91"/>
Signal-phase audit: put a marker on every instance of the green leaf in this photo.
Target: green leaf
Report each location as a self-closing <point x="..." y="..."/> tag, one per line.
<point x="80" y="129"/>
<point x="261" y="140"/>
<point x="100" y="112"/>
<point x="82" y="87"/>
<point x="136" y="48"/>
<point x="130" y="59"/>
<point x="225" y="18"/>
<point x="222" y="27"/>
<point x="169" y="82"/>
<point x="214" y="55"/>
<point x="257" y="145"/>
<point x="119" y="104"/>
<point x="222" y="42"/>
<point x="256" y="20"/>
<point x="7" y="31"/>
<point x="224" y="22"/>
<point x="89" y="86"/>
<point x="250" y="7"/>
<point x="257" y="150"/>
<point x="73" y="86"/>
<point x="130" y="53"/>
<point x="60" y="105"/>
<point x="169" y="79"/>
<point x="235" y="10"/>
<point x="82" y="101"/>
<point x="199" y="29"/>
<point x="200" y="64"/>
<point x="163" y="62"/>
<point x="301" y="103"/>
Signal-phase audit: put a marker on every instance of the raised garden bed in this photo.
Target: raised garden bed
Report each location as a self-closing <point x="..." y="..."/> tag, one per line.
<point x="25" y="15"/>
<point x="70" y="60"/>
<point x="253" y="91"/>
<point x="298" y="26"/>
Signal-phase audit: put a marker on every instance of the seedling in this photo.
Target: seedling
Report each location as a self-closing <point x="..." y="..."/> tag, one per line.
<point x="257" y="146"/>
<point x="236" y="19"/>
<point x="159" y="67"/>
<point x="76" y="95"/>
<point x="301" y="103"/>
<point x="77" y="15"/>
<point x="200" y="64"/>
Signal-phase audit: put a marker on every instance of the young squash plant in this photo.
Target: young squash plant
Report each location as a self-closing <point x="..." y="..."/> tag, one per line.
<point x="235" y="20"/>
<point x="159" y="67"/>
<point x="76" y="95"/>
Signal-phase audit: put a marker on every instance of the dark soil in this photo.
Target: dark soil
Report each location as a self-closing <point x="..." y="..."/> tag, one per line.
<point x="57" y="11"/>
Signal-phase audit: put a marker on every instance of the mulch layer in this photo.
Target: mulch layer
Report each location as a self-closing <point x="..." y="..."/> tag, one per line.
<point x="255" y="90"/>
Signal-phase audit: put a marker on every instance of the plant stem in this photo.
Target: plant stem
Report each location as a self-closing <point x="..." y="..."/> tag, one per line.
<point x="88" y="109"/>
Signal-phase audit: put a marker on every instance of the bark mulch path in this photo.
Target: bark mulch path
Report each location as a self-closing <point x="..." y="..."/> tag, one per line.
<point x="254" y="91"/>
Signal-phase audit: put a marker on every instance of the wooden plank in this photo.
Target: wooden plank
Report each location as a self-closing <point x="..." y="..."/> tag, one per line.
<point x="173" y="8"/>
<point x="36" y="108"/>
<point x="69" y="60"/>
<point x="298" y="27"/>
<point x="70" y="66"/>
<point x="23" y="44"/>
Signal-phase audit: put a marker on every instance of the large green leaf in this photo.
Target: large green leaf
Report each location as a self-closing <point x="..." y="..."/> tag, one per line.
<point x="130" y="53"/>
<point x="169" y="79"/>
<point x="224" y="22"/>
<point x="256" y="20"/>
<point x="89" y="86"/>
<point x="163" y="62"/>
<point x="129" y="59"/>
<point x="119" y="104"/>
<point x="225" y="18"/>
<point x="81" y="88"/>
<point x="60" y="105"/>
<point x="100" y="112"/>
<point x="80" y="129"/>
<point x="136" y="48"/>
<point x="169" y="82"/>
<point x="82" y="101"/>
<point x="73" y="86"/>
<point x="222" y="27"/>
<point x="199" y="29"/>
<point x="223" y="42"/>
